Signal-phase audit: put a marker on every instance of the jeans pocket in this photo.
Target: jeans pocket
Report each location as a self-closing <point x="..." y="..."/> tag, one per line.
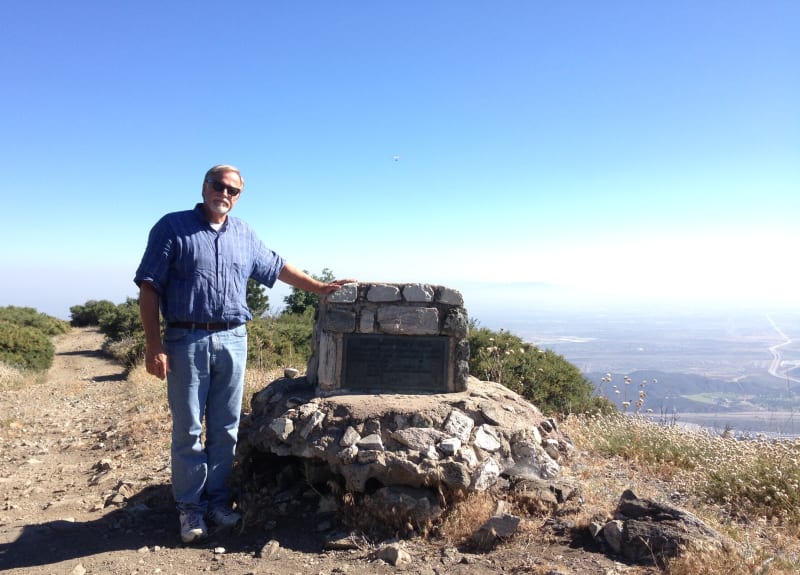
<point x="175" y="334"/>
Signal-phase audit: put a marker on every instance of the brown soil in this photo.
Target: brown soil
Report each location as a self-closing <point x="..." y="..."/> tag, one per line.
<point x="85" y="489"/>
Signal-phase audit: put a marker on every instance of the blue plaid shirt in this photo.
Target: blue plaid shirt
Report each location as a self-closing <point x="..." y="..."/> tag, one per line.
<point x="201" y="274"/>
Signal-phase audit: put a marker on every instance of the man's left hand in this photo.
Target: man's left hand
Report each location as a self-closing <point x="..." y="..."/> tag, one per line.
<point x="334" y="286"/>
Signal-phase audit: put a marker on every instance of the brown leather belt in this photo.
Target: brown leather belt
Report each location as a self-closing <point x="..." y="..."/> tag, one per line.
<point x="207" y="326"/>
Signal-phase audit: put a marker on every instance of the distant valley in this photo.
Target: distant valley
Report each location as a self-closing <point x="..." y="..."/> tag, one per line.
<point x="735" y="369"/>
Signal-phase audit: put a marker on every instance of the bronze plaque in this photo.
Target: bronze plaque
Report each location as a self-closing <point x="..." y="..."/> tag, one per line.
<point x="395" y="363"/>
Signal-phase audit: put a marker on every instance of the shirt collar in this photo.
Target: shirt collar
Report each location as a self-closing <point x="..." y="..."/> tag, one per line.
<point x="200" y="214"/>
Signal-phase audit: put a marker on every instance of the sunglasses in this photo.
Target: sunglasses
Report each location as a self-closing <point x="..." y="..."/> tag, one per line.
<point x="220" y="187"/>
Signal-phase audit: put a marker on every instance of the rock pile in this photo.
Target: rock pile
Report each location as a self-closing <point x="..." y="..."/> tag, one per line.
<point x="458" y="441"/>
<point x="405" y="450"/>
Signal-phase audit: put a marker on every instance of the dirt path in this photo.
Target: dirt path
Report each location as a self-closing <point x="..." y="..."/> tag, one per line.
<point x="83" y="491"/>
<point x="59" y="472"/>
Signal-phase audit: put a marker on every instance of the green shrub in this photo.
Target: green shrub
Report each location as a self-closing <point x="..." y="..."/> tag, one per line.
<point x="122" y="326"/>
<point x="28" y="316"/>
<point x="280" y="341"/>
<point x="25" y="346"/>
<point x="542" y="377"/>
<point x="90" y="312"/>
<point x="121" y="321"/>
<point x="25" y="337"/>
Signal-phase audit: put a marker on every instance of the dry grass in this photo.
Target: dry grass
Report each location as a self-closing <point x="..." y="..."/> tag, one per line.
<point x="751" y="479"/>
<point x="746" y="489"/>
<point x="747" y="561"/>
<point x="148" y="422"/>
<point x="13" y="377"/>
<point x="466" y="516"/>
<point x="256" y="379"/>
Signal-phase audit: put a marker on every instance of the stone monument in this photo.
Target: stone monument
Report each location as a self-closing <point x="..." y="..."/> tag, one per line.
<point x="390" y="338"/>
<point x="387" y="411"/>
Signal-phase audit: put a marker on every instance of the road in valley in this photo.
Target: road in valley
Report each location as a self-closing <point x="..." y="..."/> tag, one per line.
<point x="775" y="350"/>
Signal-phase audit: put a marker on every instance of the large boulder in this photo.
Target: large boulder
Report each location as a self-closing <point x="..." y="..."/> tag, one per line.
<point x="646" y="532"/>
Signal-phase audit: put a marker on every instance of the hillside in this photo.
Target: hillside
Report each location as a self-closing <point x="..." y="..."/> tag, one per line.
<point x="84" y="484"/>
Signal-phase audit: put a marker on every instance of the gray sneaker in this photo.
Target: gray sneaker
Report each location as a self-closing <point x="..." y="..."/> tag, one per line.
<point x="193" y="528"/>
<point x="224" y="517"/>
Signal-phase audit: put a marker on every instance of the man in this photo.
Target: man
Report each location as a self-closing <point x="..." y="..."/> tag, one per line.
<point x="195" y="270"/>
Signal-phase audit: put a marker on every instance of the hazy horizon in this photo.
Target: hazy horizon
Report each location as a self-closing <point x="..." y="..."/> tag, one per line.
<point x="493" y="304"/>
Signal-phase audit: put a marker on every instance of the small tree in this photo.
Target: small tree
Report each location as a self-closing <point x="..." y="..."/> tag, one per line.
<point x="257" y="299"/>
<point x="122" y="327"/>
<point x="90" y="312"/>
<point x="122" y="321"/>
<point x="299" y="301"/>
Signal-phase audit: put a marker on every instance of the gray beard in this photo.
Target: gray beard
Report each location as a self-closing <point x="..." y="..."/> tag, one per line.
<point x="219" y="209"/>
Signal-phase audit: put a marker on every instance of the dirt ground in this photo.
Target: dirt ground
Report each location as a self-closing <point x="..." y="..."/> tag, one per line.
<point x="77" y="496"/>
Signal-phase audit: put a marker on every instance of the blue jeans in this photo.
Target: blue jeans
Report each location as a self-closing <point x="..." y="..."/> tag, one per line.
<point x="206" y="379"/>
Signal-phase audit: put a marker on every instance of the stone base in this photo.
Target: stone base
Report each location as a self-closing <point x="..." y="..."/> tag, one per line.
<point x="454" y="441"/>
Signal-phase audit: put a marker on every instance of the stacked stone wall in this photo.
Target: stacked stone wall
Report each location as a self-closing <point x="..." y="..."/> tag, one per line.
<point x="386" y="311"/>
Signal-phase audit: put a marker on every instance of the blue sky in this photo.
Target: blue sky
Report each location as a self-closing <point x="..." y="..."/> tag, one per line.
<point x="631" y="150"/>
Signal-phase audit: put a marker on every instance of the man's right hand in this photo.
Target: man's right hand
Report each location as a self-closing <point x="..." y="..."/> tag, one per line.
<point x="155" y="359"/>
<point x="157" y="363"/>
